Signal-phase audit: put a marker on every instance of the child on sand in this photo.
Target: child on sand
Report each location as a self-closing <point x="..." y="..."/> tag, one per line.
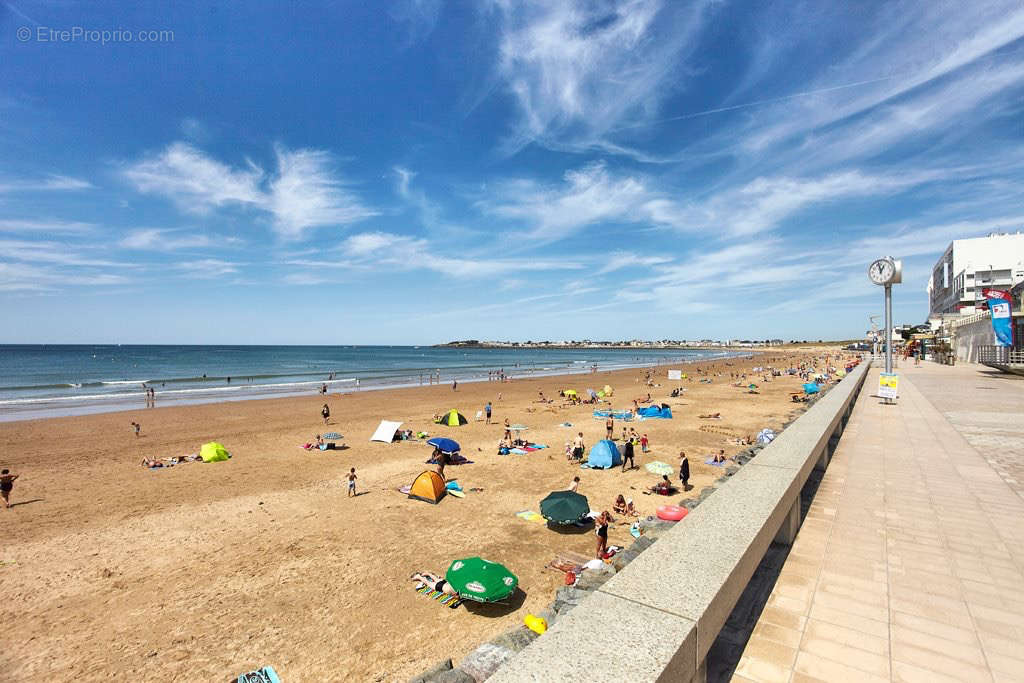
<point x="137" y="427"/>
<point x="574" y="485"/>
<point x="619" y="507"/>
<point x="643" y="443"/>
<point x="6" y="486"/>
<point x="325" y="412"/>
<point x="352" y="482"/>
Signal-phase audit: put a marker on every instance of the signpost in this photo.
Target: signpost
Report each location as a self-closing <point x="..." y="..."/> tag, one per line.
<point x="887" y="272"/>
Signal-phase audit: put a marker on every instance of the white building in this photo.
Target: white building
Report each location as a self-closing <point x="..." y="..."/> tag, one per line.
<point x="968" y="266"/>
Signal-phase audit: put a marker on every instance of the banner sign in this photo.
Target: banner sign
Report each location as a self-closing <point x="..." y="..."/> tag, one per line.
<point x="675" y="374"/>
<point x="888" y="384"/>
<point x="999" y="305"/>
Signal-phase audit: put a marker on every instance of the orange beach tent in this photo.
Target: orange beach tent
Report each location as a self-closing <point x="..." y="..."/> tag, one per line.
<point x="428" y="486"/>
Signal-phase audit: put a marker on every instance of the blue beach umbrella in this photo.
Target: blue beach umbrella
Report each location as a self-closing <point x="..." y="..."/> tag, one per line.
<point x="444" y="445"/>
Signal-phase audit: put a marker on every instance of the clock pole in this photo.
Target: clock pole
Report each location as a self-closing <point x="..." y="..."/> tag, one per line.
<point x="888" y="328"/>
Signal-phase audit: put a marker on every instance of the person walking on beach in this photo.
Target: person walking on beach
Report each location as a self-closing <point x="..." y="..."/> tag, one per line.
<point x="508" y="430"/>
<point x="627" y="455"/>
<point x="442" y="460"/>
<point x="609" y="426"/>
<point x="644" y="443"/>
<point x="577" y="447"/>
<point x="6" y="486"/>
<point x="487" y="412"/>
<point x="455" y="385"/>
<point x="325" y="412"/>
<point x="684" y="470"/>
<point x="137" y="427"/>
<point x="352" y="482"/>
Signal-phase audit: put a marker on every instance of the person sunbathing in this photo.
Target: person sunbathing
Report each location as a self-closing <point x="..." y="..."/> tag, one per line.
<point x="151" y="463"/>
<point x="434" y="582"/>
<point x="619" y="507"/>
<point x="663" y="487"/>
<point x="711" y="416"/>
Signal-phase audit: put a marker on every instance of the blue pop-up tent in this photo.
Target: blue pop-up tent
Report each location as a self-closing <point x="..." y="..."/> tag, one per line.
<point x="662" y="411"/>
<point x="811" y="388"/>
<point x="603" y="455"/>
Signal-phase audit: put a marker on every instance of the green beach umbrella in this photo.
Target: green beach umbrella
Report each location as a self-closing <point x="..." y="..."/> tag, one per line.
<point x="658" y="467"/>
<point x="564" y="507"/>
<point x="481" y="580"/>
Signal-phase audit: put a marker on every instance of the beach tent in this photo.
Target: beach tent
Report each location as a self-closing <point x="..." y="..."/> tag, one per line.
<point x="213" y="452"/>
<point x="429" y="486"/>
<point x="386" y="431"/>
<point x="662" y="411"/>
<point x="453" y="418"/>
<point x="811" y="388"/>
<point x="604" y="454"/>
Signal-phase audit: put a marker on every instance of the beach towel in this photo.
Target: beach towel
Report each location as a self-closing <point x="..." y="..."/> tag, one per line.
<point x="566" y="424"/>
<point x="517" y="451"/>
<point x="568" y="562"/>
<point x="531" y="516"/>
<point x="711" y="461"/>
<point x="264" y="675"/>
<point x="445" y="599"/>
<point x="405" y="489"/>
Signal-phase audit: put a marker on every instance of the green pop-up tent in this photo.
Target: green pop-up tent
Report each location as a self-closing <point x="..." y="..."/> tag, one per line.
<point x="481" y="580"/>
<point x="213" y="452"/>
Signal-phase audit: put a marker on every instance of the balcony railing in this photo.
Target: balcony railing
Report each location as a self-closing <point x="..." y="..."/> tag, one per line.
<point x="1000" y="355"/>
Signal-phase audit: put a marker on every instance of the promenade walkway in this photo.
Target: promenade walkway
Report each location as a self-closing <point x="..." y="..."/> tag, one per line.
<point x="910" y="563"/>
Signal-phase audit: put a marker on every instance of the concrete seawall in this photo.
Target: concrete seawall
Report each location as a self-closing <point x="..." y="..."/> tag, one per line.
<point x="657" y="619"/>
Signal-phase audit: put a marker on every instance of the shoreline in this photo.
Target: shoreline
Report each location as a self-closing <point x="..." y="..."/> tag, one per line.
<point x="118" y="403"/>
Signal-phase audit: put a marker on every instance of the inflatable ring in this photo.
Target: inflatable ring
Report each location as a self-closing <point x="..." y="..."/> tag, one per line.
<point x="673" y="513"/>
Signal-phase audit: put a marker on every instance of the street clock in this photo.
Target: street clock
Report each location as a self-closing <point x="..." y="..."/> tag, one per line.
<point x="886" y="271"/>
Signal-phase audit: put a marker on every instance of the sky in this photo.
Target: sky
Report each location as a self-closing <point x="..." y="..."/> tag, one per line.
<point x="420" y="171"/>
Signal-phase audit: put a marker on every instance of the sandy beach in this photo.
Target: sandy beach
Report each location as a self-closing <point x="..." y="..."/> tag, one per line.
<point x="109" y="570"/>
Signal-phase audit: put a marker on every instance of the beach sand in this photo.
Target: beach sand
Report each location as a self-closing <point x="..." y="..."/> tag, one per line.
<point x="204" y="571"/>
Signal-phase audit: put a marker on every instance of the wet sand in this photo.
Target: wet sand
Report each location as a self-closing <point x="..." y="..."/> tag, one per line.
<point x="203" y="571"/>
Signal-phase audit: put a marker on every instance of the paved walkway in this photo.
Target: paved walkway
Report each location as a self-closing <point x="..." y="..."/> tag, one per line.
<point x="910" y="563"/>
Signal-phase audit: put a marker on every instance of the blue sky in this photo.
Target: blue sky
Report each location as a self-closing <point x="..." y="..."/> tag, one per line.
<point x="421" y="170"/>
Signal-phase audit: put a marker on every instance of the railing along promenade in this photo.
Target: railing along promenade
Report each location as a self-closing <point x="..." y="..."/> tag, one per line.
<point x="657" y="618"/>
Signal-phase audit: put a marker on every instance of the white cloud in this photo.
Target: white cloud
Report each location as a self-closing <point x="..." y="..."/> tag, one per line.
<point x="579" y="69"/>
<point x="618" y="260"/>
<point x="208" y="269"/>
<point x="20" y="277"/>
<point x="593" y="195"/>
<point x="45" y="226"/>
<point x="403" y="252"/>
<point x="47" y="184"/>
<point x="157" y="239"/>
<point x="304" y="192"/>
<point x="54" y="252"/>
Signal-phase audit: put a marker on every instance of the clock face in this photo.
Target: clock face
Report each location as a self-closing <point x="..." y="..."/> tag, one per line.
<point x="881" y="271"/>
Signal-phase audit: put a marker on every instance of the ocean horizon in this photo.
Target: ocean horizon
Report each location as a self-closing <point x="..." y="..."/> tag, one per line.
<point x="49" y="380"/>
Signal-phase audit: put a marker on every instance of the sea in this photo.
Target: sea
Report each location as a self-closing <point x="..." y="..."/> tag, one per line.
<point x="54" y="380"/>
